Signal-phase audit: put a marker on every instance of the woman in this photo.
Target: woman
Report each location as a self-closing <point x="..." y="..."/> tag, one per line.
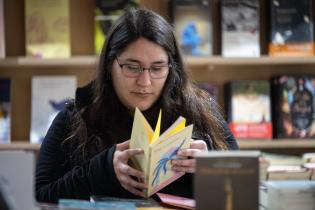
<point x="86" y="149"/>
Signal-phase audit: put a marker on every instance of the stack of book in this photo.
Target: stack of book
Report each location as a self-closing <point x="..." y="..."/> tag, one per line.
<point x="288" y="195"/>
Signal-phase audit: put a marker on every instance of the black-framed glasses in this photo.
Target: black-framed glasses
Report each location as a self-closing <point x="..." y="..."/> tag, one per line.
<point x="134" y="70"/>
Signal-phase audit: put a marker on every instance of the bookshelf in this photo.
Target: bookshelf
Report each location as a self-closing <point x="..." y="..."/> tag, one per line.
<point x="216" y="69"/>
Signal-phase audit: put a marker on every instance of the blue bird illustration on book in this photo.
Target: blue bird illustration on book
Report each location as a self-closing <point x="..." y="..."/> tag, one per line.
<point x="162" y="163"/>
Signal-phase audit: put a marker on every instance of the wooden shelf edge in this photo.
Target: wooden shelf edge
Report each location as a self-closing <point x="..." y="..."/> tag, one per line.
<point x="263" y="60"/>
<point x="22" y="62"/>
<point x="191" y="61"/>
<point x="276" y="144"/>
<point x="20" y="145"/>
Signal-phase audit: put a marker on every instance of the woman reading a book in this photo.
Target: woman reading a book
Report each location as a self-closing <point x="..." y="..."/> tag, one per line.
<point x="86" y="150"/>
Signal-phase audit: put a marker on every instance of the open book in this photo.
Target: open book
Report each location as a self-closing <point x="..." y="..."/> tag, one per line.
<point x="159" y="150"/>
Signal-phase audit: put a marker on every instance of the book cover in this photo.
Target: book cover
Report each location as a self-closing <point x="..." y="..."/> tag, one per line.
<point x="193" y="26"/>
<point x="249" y="109"/>
<point x="210" y="88"/>
<point x="5" y="110"/>
<point x="291" y="28"/>
<point x="159" y="150"/>
<point x="106" y="12"/>
<point x="2" y="30"/>
<point x="240" y="28"/>
<point x="223" y="175"/>
<point x="49" y="96"/>
<point x="294" y="106"/>
<point x="47" y="28"/>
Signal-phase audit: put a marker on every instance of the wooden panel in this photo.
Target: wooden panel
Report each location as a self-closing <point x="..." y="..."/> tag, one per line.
<point x="14" y="27"/>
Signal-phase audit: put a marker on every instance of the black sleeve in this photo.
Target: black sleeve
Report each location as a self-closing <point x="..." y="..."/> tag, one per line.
<point x="56" y="179"/>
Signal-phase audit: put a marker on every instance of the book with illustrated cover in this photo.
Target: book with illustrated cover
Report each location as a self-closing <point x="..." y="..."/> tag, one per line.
<point x="294" y="106"/>
<point x="5" y="110"/>
<point x="249" y="109"/>
<point x="2" y="30"/>
<point x="47" y="28"/>
<point x="106" y="12"/>
<point x="223" y="175"/>
<point x="159" y="150"/>
<point x="240" y="28"/>
<point x="291" y="28"/>
<point x="49" y="96"/>
<point x="193" y="26"/>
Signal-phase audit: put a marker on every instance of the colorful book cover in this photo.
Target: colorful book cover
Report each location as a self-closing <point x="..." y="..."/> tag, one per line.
<point x="193" y="26"/>
<point x="5" y="110"/>
<point x="158" y="149"/>
<point x="49" y="96"/>
<point x="47" y="28"/>
<point x="294" y="106"/>
<point x="240" y="28"/>
<point x="291" y="28"/>
<point x="249" y="109"/>
<point x="2" y="30"/>
<point x="229" y="177"/>
<point x="105" y="14"/>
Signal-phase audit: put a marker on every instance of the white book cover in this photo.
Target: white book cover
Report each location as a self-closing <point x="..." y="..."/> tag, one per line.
<point x="5" y="111"/>
<point x="240" y="28"/>
<point x="2" y="36"/>
<point x="49" y="96"/>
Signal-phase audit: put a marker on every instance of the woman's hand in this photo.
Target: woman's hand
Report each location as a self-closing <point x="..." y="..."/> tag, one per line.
<point x="126" y="174"/>
<point x="188" y="163"/>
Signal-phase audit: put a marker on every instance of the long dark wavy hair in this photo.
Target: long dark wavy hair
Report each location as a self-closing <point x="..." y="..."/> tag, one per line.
<point x="92" y="128"/>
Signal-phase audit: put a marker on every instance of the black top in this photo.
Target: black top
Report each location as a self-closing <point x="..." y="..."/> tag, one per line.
<point x="57" y="176"/>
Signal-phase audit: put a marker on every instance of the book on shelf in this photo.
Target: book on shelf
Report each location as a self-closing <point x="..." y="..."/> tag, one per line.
<point x="2" y="30"/>
<point x="193" y="26"/>
<point x="223" y="175"/>
<point x="286" y="167"/>
<point x="5" y="110"/>
<point x="106" y="12"/>
<point x="290" y="194"/>
<point x="159" y="150"/>
<point x="47" y="28"/>
<point x="291" y="28"/>
<point x="294" y="106"/>
<point x="49" y="96"/>
<point x="240" y="28"/>
<point x="248" y="106"/>
<point x="211" y="88"/>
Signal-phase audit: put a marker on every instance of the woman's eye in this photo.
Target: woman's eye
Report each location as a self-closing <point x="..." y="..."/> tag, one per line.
<point x="156" y="68"/>
<point x="132" y="67"/>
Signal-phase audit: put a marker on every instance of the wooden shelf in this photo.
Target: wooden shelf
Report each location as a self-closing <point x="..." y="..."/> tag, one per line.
<point x="24" y="62"/>
<point x="263" y="60"/>
<point x="277" y="144"/>
<point x="91" y="60"/>
<point x="20" y="145"/>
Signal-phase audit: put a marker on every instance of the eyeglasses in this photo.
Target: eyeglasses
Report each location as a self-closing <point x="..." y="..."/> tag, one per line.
<point x="134" y="70"/>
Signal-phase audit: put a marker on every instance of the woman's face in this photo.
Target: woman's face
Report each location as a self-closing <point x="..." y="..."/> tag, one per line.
<point x="139" y="89"/>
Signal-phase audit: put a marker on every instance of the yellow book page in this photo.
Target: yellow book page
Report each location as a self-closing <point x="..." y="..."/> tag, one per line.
<point x="141" y="131"/>
<point x="157" y="129"/>
<point x="178" y="128"/>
